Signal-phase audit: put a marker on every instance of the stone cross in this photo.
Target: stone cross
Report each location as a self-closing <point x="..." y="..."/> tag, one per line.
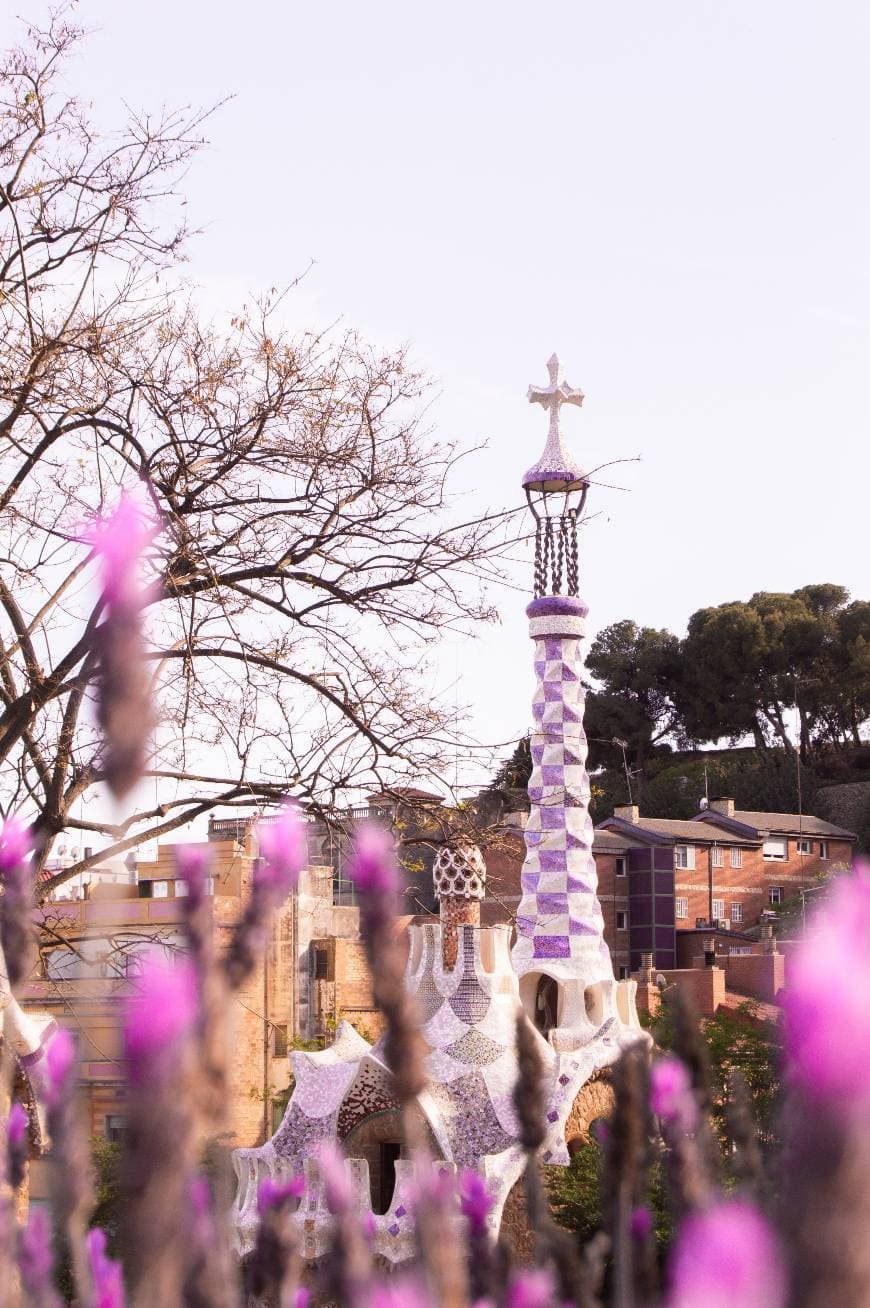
<point x="552" y="397"/>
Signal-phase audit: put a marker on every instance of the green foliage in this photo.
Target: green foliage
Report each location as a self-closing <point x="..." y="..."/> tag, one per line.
<point x="735" y="1042"/>
<point x="515" y="771"/>
<point x="575" y="1195"/>
<point x="637" y="668"/>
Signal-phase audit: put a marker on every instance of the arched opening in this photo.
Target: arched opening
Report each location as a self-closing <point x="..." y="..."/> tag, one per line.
<point x="546" y="1010"/>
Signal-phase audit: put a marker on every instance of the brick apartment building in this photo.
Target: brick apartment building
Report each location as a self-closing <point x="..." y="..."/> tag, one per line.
<point x="722" y="868"/>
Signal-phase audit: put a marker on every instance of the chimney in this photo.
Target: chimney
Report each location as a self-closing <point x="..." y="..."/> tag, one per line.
<point x="459" y="874"/>
<point x="724" y="805"/>
<point x="628" y="813"/>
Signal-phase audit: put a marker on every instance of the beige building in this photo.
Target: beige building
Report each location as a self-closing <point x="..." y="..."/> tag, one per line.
<point x="90" y="949"/>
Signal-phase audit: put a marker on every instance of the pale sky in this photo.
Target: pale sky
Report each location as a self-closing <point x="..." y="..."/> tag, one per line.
<point x="673" y="196"/>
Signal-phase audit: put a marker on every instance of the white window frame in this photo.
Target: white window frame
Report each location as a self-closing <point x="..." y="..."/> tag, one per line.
<point x="804" y="846"/>
<point x="684" y="857"/>
<point x="181" y="888"/>
<point x="681" y="906"/>
<point x="823" y="849"/>
<point x="735" y="856"/>
<point x="736" y="913"/>
<point x="624" y="972"/>
<point x="621" y="867"/>
<point x="736" y="951"/>
<point x="622" y="919"/>
<point x="160" y="889"/>
<point x="717" y="856"/>
<point x="774" y="896"/>
<point x="782" y="843"/>
<point x="720" y="915"/>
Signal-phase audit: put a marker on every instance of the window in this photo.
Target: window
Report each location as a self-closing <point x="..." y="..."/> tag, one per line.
<point x="774" y="895"/>
<point x="321" y="964"/>
<point x="718" y="910"/>
<point x="684" y="856"/>
<point x="343" y="891"/>
<point x="735" y="856"/>
<point x="624" y="972"/>
<point x="775" y="848"/>
<point x="116" y="1128"/>
<point x="208" y="887"/>
<point x="736" y="951"/>
<point x="823" y="849"/>
<point x="621" y="921"/>
<point x="736" y="912"/>
<point x="279" y="1040"/>
<point x="180" y="888"/>
<point x="159" y="889"/>
<point x="804" y="846"/>
<point x="717" y="857"/>
<point x="681" y="906"/>
<point x="621" y="867"/>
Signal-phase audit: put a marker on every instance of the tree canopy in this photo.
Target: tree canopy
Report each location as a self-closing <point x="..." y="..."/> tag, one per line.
<point x="305" y="552"/>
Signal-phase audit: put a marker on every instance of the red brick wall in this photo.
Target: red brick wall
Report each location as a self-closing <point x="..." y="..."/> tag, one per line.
<point x="759" y="975"/>
<point x="748" y="886"/>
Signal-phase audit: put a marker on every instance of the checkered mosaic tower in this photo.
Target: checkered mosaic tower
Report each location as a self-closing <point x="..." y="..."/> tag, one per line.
<point x="560" y="927"/>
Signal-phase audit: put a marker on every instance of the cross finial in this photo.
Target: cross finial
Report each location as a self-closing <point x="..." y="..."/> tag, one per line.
<point x="552" y="397"/>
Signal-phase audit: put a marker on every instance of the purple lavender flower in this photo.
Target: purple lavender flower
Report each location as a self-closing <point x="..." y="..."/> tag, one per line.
<point x="35" y="1259"/>
<point x="16" y="842"/>
<point x="475" y="1200"/>
<point x="193" y="863"/>
<point x="16" y="1126"/>
<point x="119" y="539"/>
<point x="284" y="852"/>
<point x="106" y="1273"/>
<point x="272" y="1194"/>
<point x="827" y="1002"/>
<point x="373" y="868"/>
<point x="16" y="905"/>
<point x="60" y="1056"/>
<point x="671" y="1096"/>
<point x="641" y="1223"/>
<point x="161" y="1012"/>
<point x="336" y="1178"/>
<point x="726" y="1257"/>
<point x="124" y="706"/>
<point x="534" y="1289"/>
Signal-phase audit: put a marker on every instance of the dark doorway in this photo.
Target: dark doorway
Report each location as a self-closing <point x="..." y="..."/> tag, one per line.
<point x="391" y="1151"/>
<point x="546" y="1005"/>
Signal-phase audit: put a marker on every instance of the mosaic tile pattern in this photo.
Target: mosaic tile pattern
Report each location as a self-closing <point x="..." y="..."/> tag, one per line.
<point x="559" y="919"/>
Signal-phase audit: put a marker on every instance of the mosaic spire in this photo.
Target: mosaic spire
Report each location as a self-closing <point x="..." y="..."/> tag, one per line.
<point x="560" y="927"/>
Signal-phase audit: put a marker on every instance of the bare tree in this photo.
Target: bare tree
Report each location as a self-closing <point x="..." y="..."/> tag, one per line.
<point x="305" y="555"/>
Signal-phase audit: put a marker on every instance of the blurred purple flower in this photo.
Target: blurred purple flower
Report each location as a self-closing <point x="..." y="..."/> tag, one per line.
<point x="726" y="1257"/>
<point x="272" y="1194"/>
<point x="373" y="865"/>
<point x="303" y="1297"/>
<point x="36" y="1259"/>
<point x="283" y="851"/>
<point x="671" y="1096"/>
<point x="475" y="1200"/>
<point x="337" y="1181"/>
<point x="161" y="1012"/>
<point x="405" y="1292"/>
<point x="641" y="1223"/>
<point x="192" y="863"/>
<point x="16" y="1126"/>
<point x="119" y="539"/>
<point x="108" y="1282"/>
<point x="16" y="842"/>
<point x="533" y="1289"/>
<point x="60" y="1056"/>
<point x="827" y="1001"/>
